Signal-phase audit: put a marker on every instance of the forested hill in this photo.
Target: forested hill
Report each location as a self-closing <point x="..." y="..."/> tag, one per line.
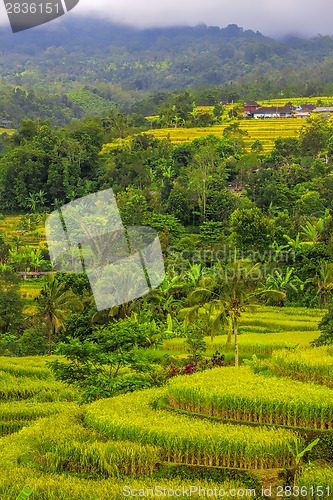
<point x="90" y="50"/>
<point x="70" y="68"/>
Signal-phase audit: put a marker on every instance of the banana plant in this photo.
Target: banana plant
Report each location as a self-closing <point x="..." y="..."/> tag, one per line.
<point x="283" y="281"/>
<point x="25" y="493"/>
<point x="299" y="454"/>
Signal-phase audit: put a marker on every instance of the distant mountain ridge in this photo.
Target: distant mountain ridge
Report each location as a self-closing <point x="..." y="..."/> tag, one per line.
<point x="78" y="52"/>
<point x="76" y="30"/>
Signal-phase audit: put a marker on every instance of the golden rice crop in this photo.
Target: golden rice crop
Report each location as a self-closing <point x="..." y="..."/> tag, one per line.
<point x="282" y="101"/>
<point x="310" y="365"/>
<point x="61" y="487"/>
<point x="239" y="394"/>
<point x="29" y="410"/>
<point x="264" y="130"/>
<point x="107" y="459"/>
<point x="16" y="414"/>
<point x="12" y="388"/>
<point x="63" y="444"/>
<point x="20" y="454"/>
<point x="31" y="367"/>
<point x="187" y="440"/>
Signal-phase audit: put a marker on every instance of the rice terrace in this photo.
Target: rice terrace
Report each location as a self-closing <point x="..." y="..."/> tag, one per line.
<point x="251" y="428"/>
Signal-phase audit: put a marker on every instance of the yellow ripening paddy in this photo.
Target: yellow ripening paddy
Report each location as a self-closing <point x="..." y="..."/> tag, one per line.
<point x="8" y="131"/>
<point x="265" y="131"/>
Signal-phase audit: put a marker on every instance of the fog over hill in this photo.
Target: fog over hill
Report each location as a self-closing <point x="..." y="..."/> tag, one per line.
<point x="275" y="18"/>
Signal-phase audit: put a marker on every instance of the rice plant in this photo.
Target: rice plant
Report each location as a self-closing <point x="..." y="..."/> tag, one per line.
<point x="186" y="440"/>
<point x="110" y="459"/>
<point x="31" y="366"/>
<point x="12" y="388"/>
<point x="57" y="477"/>
<point x="239" y="394"/>
<point x="18" y="414"/>
<point x="30" y="378"/>
<point x="309" y="365"/>
<point x="63" y="444"/>
<point x="62" y="487"/>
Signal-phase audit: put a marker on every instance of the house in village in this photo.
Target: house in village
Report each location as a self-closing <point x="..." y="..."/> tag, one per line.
<point x="250" y="107"/>
<point x="235" y="185"/>
<point x="5" y="124"/>
<point x="253" y="110"/>
<point x="304" y="110"/>
<point x="324" y="111"/>
<point x="274" y="112"/>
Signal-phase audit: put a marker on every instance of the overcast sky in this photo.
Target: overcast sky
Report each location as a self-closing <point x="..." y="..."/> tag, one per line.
<point x="271" y="17"/>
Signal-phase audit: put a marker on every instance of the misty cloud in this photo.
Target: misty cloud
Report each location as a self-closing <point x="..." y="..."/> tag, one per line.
<point x="271" y="17"/>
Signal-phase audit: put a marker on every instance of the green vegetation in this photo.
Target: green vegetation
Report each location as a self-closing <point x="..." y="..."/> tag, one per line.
<point x="59" y="457"/>
<point x="222" y="376"/>
<point x="76" y="68"/>
<point x="316" y="481"/>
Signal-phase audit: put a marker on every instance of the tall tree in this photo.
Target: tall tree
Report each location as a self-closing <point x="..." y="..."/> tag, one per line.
<point x="56" y="304"/>
<point x="11" y="302"/>
<point x="222" y="297"/>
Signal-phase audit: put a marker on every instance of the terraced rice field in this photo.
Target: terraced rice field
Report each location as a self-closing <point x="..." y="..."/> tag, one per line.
<point x="10" y="230"/>
<point x="190" y="441"/>
<point x="136" y="441"/>
<point x="265" y="330"/>
<point x="316" y="482"/>
<point x="8" y="131"/>
<point x="239" y="394"/>
<point x="310" y="365"/>
<point x="44" y="444"/>
<point x="28" y="392"/>
<point x="266" y="131"/>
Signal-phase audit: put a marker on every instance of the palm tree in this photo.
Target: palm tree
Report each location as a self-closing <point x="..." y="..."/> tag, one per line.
<point x="56" y="304"/>
<point x="324" y="283"/>
<point x="222" y="297"/>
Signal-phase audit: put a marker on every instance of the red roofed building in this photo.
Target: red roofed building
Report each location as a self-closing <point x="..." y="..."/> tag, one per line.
<point x="250" y="107"/>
